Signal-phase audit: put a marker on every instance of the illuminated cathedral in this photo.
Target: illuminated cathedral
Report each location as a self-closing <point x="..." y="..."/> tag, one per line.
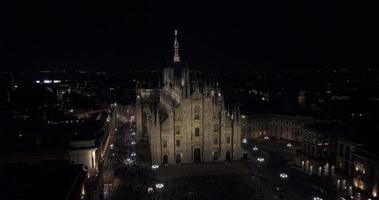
<point x="186" y="120"/>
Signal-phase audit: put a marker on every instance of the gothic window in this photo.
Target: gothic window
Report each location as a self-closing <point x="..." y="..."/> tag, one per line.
<point x="215" y="141"/>
<point x="227" y="140"/>
<point x="164" y="144"/>
<point x="197" y="112"/>
<point x="177" y="129"/>
<point x="178" y="143"/>
<point x="197" y="132"/>
<point x="215" y="128"/>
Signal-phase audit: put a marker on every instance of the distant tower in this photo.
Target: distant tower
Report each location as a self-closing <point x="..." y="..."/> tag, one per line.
<point x="176" y="49"/>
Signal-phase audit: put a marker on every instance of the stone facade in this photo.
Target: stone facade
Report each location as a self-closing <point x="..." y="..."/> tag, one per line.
<point x="186" y="120"/>
<point x="289" y="127"/>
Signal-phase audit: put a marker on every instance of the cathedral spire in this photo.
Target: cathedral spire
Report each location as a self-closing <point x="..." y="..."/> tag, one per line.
<point x="176" y="48"/>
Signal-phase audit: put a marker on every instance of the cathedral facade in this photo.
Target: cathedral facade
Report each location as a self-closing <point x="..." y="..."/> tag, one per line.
<point x="186" y="120"/>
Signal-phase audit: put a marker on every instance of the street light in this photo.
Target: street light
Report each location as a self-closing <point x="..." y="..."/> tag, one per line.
<point x="260" y="159"/>
<point x="133" y="154"/>
<point x="255" y="148"/>
<point x="244" y="141"/>
<point x="266" y="137"/>
<point x="159" y="185"/>
<point x="154" y="166"/>
<point x="133" y="143"/>
<point x="289" y="145"/>
<point x="283" y="176"/>
<point x="317" y="198"/>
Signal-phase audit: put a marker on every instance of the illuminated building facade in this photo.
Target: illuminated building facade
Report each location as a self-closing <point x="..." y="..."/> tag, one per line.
<point x="317" y="153"/>
<point x="186" y="120"/>
<point x="358" y="168"/>
<point x="279" y="126"/>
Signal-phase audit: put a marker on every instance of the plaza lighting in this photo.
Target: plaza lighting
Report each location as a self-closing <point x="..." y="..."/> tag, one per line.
<point x="260" y="159"/>
<point x="266" y="137"/>
<point x="317" y="198"/>
<point x="133" y="154"/>
<point x="133" y="143"/>
<point x="283" y="175"/>
<point x="133" y="133"/>
<point x="255" y="148"/>
<point x="159" y="185"/>
<point x="244" y="141"/>
<point x="154" y="166"/>
<point x="111" y="146"/>
<point x="289" y="145"/>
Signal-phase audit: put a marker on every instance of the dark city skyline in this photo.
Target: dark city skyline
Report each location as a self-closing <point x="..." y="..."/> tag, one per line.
<point x="213" y="35"/>
<point x="192" y="100"/>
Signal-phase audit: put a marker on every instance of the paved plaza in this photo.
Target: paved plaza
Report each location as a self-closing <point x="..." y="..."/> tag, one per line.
<point x="208" y="169"/>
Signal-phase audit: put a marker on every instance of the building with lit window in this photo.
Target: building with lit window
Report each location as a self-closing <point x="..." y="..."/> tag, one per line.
<point x="318" y="149"/>
<point x="357" y="168"/>
<point x="186" y="120"/>
<point x="279" y="126"/>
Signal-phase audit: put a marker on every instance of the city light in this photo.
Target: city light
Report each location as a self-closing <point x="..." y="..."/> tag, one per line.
<point x="317" y="198"/>
<point x="255" y="148"/>
<point x="244" y="141"/>
<point x="283" y="175"/>
<point x="111" y="146"/>
<point x="133" y="143"/>
<point x="133" y="154"/>
<point x="260" y="159"/>
<point x="159" y="185"/>
<point x="289" y="145"/>
<point x="133" y="133"/>
<point x="154" y="166"/>
<point x="266" y="137"/>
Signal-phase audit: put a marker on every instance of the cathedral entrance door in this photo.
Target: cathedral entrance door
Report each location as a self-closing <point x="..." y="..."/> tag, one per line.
<point x="165" y="160"/>
<point x="228" y="155"/>
<point x="196" y="155"/>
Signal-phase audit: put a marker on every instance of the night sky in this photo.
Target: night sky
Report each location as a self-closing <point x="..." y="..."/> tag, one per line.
<point x="212" y="35"/>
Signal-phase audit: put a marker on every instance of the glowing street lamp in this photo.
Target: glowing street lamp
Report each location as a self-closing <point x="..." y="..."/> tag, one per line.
<point x="289" y="145"/>
<point x="283" y="176"/>
<point x="260" y="159"/>
<point x="159" y="185"/>
<point x="244" y="141"/>
<point x="255" y="148"/>
<point x="133" y="143"/>
<point x="133" y="154"/>
<point x="317" y="198"/>
<point x="266" y="137"/>
<point x="154" y="166"/>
